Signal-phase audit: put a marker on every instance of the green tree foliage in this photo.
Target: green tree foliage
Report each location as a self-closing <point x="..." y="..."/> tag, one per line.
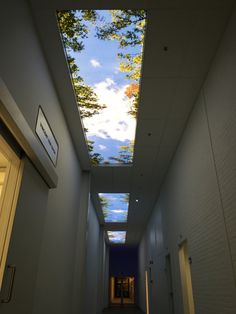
<point x="128" y="28"/>
<point x="104" y="203"/>
<point x="132" y="92"/>
<point x="126" y="198"/>
<point x="74" y="29"/>
<point x="95" y="158"/>
<point x="125" y="154"/>
<point x="86" y="99"/>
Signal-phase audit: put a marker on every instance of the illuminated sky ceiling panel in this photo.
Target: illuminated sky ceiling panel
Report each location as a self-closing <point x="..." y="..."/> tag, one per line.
<point x="114" y="206"/>
<point x="104" y="51"/>
<point x="117" y="237"/>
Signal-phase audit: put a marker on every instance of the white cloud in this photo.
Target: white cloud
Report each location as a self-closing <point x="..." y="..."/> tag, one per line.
<point x="113" y="122"/>
<point x="117" y="70"/>
<point x="95" y="63"/>
<point x="119" y="211"/>
<point x="102" y="147"/>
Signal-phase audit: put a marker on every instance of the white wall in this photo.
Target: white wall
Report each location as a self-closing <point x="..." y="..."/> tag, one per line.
<point x="106" y="278"/>
<point x="198" y="199"/>
<point x="152" y="257"/>
<point x="142" y="267"/>
<point x="103" y="278"/>
<point x="25" y="73"/>
<point x="93" y="267"/>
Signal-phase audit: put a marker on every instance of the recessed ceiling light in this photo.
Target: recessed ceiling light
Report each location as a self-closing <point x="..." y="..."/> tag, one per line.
<point x="136" y="200"/>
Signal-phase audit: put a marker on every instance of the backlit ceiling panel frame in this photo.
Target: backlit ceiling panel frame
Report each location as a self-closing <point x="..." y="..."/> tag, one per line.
<point x="105" y="62"/>
<point x="116" y="237"/>
<point x="114" y="207"/>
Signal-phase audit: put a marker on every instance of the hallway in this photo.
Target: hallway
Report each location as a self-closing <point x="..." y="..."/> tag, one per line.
<point x="118" y="157"/>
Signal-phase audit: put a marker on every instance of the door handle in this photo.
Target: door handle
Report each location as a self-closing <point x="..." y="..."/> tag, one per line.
<point x="9" y="295"/>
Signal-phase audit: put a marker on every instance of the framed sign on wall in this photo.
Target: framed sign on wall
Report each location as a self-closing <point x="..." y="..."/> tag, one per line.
<point x="46" y="136"/>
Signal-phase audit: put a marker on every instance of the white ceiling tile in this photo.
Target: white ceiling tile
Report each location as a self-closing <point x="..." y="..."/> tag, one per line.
<point x="149" y="132"/>
<point x="122" y="179"/>
<point x="144" y="156"/>
<point x="173" y="131"/>
<point x="115" y="226"/>
<point x="203" y="42"/>
<point x="102" y="179"/>
<point x="187" y="90"/>
<point x="163" y="162"/>
<point x="169" y="29"/>
<point x="142" y="4"/>
<point x="171" y="98"/>
<point x="156" y="97"/>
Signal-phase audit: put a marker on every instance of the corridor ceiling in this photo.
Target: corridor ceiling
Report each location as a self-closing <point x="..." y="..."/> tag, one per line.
<point x="181" y="40"/>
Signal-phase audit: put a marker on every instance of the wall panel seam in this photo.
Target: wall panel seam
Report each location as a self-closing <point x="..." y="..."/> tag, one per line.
<point x="218" y="185"/>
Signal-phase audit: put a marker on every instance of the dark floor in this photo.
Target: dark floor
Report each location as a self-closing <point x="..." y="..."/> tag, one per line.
<point x="123" y="310"/>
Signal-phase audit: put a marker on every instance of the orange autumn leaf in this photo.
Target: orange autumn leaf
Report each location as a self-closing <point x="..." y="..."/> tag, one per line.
<point x="132" y="90"/>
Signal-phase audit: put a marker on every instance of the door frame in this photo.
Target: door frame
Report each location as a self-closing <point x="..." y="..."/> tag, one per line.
<point x="9" y="199"/>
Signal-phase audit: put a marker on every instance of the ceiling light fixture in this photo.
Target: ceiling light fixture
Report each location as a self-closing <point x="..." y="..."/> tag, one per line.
<point x="111" y="133"/>
<point x="114" y="206"/>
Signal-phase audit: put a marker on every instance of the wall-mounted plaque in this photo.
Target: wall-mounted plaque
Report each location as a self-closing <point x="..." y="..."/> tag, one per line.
<point x="46" y="136"/>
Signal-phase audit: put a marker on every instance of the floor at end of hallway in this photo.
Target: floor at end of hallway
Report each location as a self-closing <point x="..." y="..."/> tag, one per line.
<point x="123" y="310"/>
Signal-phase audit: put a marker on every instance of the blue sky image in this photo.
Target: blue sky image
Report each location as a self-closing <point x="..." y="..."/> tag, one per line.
<point x="99" y="67"/>
<point x="117" y="206"/>
<point x="116" y="236"/>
